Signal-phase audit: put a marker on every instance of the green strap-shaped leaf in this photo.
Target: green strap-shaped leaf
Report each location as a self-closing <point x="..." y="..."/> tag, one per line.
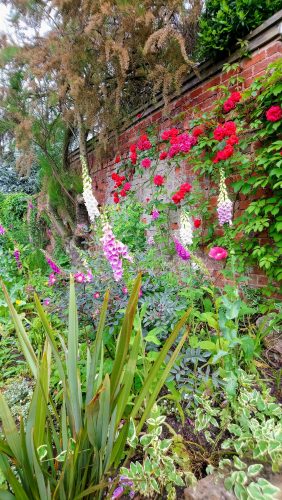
<point x="22" y="335"/>
<point x="124" y="339"/>
<point x="72" y="364"/>
<point x="10" y="477"/>
<point x="96" y="351"/>
<point x="10" y="430"/>
<point x="158" y="363"/>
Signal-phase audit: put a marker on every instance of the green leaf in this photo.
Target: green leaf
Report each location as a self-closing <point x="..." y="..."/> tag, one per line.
<point x="10" y="430"/>
<point x="72" y="365"/>
<point x="22" y="335"/>
<point x="124" y="338"/>
<point x="207" y="345"/>
<point x="255" y="469"/>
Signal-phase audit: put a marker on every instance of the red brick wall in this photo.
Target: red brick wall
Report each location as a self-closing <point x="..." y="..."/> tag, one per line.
<point x="192" y="102"/>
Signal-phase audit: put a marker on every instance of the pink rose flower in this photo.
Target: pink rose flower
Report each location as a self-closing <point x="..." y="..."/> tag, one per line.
<point x="218" y="253"/>
<point x="146" y="163"/>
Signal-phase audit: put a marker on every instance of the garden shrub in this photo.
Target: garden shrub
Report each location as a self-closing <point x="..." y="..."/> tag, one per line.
<point x="224" y="23"/>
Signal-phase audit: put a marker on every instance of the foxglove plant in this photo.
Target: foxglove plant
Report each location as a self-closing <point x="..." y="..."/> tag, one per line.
<point x="53" y="266"/>
<point x="18" y="258"/>
<point x="224" y="204"/>
<point x="181" y="251"/>
<point x="89" y="199"/>
<point x="114" y="251"/>
<point x="186" y="229"/>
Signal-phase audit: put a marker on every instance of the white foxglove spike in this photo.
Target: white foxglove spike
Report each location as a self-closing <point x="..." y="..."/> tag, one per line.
<point x="186" y="229"/>
<point x="224" y="204"/>
<point x="89" y="199"/>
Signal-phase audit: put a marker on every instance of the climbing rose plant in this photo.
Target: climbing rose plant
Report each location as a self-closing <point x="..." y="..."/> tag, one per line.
<point x="238" y="146"/>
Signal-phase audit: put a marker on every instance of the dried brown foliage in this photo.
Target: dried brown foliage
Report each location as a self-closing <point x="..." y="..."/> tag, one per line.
<point x="100" y="59"/>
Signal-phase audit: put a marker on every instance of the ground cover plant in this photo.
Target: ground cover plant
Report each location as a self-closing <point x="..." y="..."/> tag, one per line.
<point x="130" y="370"/>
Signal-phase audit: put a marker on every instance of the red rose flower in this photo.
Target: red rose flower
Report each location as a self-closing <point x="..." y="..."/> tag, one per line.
<point x="163" y="155"/>
<point x="158" y="180"/>
<point x="233" y="139"/>
<point x="132" y="148"/>
<point x="146" y="163"/>
<point x="118" y="182"/>
<point x="274" y="114"/>
<point x="197" y="131"/>
<point x="127" y="186"/>
<point x="229" y="128"/>
<point x="228" y="105"/>
<point x="123" y="193"/>
<point x="219" y="133"/>
<point x="117" y="159"/>
<point x="116" y="197"/>
<point x="235" y="96"/>
<point x="197" y="223"/>
<point x="133" y="158"/>
<point x="176" y="198"/>
<point x="186" y="187"/>
<point x="114" y="176"/>
<point x="225" y="153"/>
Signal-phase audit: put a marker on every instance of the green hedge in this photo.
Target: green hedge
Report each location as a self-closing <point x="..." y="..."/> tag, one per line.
<point x="225" y="22"/>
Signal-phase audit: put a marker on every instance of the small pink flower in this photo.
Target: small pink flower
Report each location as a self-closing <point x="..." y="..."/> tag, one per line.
<point x="218" y="253"/>
<point x="89" y="276"/>
<point x="146" y="163"/>
<point x="124" y="290"/>
<point x="96" y="295"/>
<point x="155" y="214"/>
<point x="2" y="230"/>
<point x="52" y="279"/>
<point x="46" y="302"/>
<point x="140" y="293"/>
<point x="79" y="277"/>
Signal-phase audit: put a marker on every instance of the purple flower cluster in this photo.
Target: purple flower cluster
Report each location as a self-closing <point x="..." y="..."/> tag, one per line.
<point x="181" y="251"/>
<point x="2" y="230"/>
<point x="18" y="258"/>
<point x="224" y="212"/>
<point x="124" y="485"/>
<point x="53" y="266"/>
<point x="114" y="251"/>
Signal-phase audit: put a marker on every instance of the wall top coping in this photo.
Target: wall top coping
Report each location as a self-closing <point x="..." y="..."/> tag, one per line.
<point x="267" y="32"/>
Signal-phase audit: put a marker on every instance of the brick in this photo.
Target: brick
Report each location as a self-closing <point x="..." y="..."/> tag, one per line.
<point x="156" y="116"/>
<point x="259" y="67"/>
<point x="257" y="57"/>
<point x="275" y="48"/>
<point x="262" y="280"/>
<point x="195" y="93"/>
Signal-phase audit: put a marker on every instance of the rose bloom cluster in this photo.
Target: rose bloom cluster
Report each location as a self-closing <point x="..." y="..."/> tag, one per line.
<point x="181" y="193"/>
<point x="143" y="144"/>
<point x="274" y="114"/>
<point x="232" y="101"/>
<point x="226" y="131"/>
<point x="119" y="180"/>
<point x="179" y="143"/>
